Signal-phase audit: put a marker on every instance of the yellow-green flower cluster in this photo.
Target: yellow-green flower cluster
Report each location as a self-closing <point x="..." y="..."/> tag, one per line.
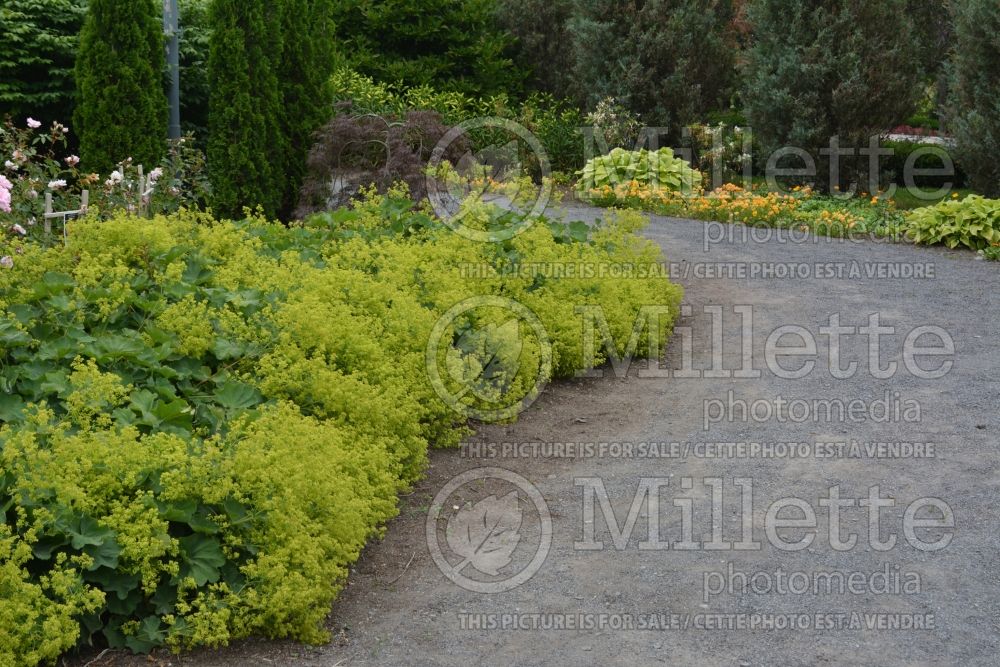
<point x="206" y="420"/>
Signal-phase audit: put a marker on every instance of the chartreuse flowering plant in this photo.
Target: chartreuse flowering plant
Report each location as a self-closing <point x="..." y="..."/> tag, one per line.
<point x="205" y="421"/>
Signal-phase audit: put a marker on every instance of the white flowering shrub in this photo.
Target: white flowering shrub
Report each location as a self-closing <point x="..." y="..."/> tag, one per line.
<point x="36" y="164"/>
<point x="614" y="124"/>
<point x="721" y="149"/>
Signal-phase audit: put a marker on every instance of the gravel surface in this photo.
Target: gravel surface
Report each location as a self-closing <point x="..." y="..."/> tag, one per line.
<point x="400" y="609"/>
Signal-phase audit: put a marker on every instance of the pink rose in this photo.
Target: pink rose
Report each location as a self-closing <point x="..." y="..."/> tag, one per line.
<point x="5" y="187"/>
<point x="33" y="124"/>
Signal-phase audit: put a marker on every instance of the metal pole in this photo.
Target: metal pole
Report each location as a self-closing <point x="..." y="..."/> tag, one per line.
<point x="171" y="28"/>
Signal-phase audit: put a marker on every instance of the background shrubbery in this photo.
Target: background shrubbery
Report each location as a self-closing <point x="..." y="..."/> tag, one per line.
<point x="670" y="61"/>
<point x="451" y="44"/>
<point x="798" y="69"/>
<point x="819" y="69"/>
<point x="975" y="106"/>
<point x="38" y="56"/>
<point x="556" y="124"/>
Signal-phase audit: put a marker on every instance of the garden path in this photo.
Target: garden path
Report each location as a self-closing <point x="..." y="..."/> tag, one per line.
<point x="399" y="609"/>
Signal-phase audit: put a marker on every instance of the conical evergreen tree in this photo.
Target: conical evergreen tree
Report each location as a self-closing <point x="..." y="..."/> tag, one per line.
<point x="246" y="151"/>
<point x="121" y="106"/>
<point x="975" y="114"/>
<point x="824" y="68"/>
<point x="304" y="70"/>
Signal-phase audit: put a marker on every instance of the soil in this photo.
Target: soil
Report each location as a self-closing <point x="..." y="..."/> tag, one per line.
<point x="400" y="609"/>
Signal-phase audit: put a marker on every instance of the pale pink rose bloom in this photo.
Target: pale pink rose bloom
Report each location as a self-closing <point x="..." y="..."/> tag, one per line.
<point x="57" y="185"/>
<point x="18" y="229"/>
<point x="33" y="124"/>
<point x="7" y="262"/>
<point x="5" y="187"/>
<point x="73" y="160"/>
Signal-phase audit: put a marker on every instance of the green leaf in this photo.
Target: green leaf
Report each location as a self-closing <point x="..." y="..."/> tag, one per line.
<point x="165" y="599"/>
<point x="201" y="559"/>
<point x="104" y="554"/>
<point x="124" y="606"/>
<point x="174" y="412"/>
<point x="56" y="383"/>
<point x="11" y="336"/>
<point x="11" y="408"/>
<point x="150" y="634"/>
<point x="235" y="395"/>
<point x="119" y="347"/>
<point x="48" y="545"/>
<point x="53" y="283"/>
<point x="24" y="313"/>
<point x="225" y="349"/>
<point x="113" y="581"/>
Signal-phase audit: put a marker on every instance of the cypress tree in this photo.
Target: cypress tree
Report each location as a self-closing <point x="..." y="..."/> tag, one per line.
<point x="824" y="68"/>
<point x="121" y="106"/>
<point x="246" y="154"/>
<point x="304" y="70"/>
<point x="975" y="101"/>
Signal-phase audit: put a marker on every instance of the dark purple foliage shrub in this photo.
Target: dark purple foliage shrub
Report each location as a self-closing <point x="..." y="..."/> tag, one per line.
<point x="360" y="150"/>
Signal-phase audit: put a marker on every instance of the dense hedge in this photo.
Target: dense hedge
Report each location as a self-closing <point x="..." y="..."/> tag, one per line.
<point x="37" y="57"/>
<point x="246" y="146"/>
<point x="453" y="44"/>
<point x="670" y="61"/>
<point x="205" y="421"/>
<point x="931" y="157"/>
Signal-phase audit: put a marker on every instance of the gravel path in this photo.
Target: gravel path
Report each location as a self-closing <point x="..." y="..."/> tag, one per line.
<point x="399" y="609"/>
